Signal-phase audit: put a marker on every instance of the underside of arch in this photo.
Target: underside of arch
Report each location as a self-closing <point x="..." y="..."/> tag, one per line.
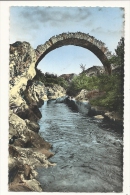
<point x="77" y="39"/>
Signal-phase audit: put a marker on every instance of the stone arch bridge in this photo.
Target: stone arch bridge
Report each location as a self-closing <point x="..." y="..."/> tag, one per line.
<point x="24" y="59"/>
<point x="78" y="39"/>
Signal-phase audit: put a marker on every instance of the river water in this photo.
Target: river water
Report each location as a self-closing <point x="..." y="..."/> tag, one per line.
<point x="88" y="152"/>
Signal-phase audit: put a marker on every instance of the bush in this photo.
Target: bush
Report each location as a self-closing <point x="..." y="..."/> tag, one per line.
<point x="111" y="85"/>
<point x="49" y="78"/>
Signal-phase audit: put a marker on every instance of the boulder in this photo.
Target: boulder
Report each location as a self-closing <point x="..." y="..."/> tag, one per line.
<point x="96" y="110"/>
<point x="61" y="99"/>
<point x="22" y="163"/>
<point x="99" y="117"/>
<point x="82" y="95"/>
<point x="19" y="187"/>
<point x="55" y="91"/>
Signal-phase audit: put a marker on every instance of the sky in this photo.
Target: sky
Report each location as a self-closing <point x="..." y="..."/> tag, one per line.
<point x="36" y="25"/>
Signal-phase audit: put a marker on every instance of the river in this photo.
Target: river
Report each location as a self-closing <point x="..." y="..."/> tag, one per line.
<point x="88" y="152"/>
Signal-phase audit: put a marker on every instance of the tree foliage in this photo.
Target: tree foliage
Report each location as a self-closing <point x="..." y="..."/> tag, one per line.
<point x="49" y="78"/>
<point x="112" y="85"/>
<point x="118" y="58"/>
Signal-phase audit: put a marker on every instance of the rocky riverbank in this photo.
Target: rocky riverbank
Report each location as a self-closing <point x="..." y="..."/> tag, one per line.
<point x="26" y="148"/>
<point x="82" y="103"/>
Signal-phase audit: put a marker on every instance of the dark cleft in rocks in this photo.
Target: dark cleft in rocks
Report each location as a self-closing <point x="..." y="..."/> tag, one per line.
<point x="32" y="113"/>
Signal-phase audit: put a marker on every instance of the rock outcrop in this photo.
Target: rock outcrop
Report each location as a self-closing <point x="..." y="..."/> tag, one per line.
<point x="85" y="95"/>
<point x="68" y="77"/>
<point x="82" y="95"/>
<point x="98" y="112"/>
<point x="94" y="71"/>
<point x="26" y="148"/>
<point x="55" y="91"/>
<point x="99" y="117"/>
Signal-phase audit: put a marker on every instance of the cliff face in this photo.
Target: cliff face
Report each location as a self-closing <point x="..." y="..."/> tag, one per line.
<point x="22" y="69"/>
<point x="26" y="148"/>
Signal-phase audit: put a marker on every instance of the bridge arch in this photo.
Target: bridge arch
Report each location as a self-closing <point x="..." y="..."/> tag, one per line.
<point x="78" y="39"/>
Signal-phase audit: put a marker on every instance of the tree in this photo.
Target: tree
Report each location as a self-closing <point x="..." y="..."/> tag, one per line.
<point x="50" y="79"/>
<point x="118" y="58"/>
<point x="120" y="52"/>
<point x="82" y="67"/>
<point x="113" y="85"/>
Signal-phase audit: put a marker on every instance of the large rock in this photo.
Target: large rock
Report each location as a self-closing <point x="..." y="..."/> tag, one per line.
<point x="94" y="71"/>
<point x="19" y="129"/>
<point x="32" y="113"/>
<point x="22" y="172"/>
<point x="80" y="106"/>
<point x="113" y="116"/>
<point x="68" y="77"/>
<point x="26" y="151"/>
<point x="22" y="69"/>
<point x="99" y="117"/>
<point x="83" y="106"/>
<point x="96" y="110"/>
<point x="37" y="91"/>
<point x="61" y="99"/>
<point x="55" y="91"/>
<point x="85" y="95"/>
<point x="82" y="95"/>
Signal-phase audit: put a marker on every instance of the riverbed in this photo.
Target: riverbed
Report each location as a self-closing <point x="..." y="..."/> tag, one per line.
<point x="88" y="152"/>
